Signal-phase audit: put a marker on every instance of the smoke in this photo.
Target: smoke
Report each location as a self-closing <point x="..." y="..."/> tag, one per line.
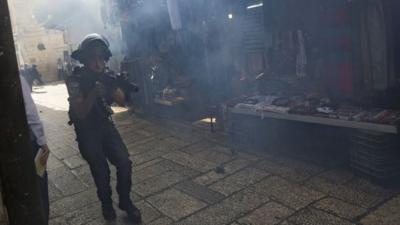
<point x="77" y="18"/>
<point x="72" y="14"/>
<point x="201" y="37"/>
<point x="148" y="26"/>
<point x="197" y="39"/>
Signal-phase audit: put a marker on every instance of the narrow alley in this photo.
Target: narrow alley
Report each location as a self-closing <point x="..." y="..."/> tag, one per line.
<point x="184" y="174"/>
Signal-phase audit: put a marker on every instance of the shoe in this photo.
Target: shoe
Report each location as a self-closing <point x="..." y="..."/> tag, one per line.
<point x="108" y="212"/>
<point x="134" y="214"/>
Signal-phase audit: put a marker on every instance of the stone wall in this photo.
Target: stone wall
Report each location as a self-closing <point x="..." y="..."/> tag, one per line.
<point x="28" y="33"/>
<point x="46" y="60"/>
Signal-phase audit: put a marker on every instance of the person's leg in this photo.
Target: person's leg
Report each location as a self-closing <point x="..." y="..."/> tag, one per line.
<point x="43" y="187"/>
<point x="92" y="151"/>
<point x="30" y="82"/>
<point x="59" y="74"/>
<point x="39" y="78"/>
<point x="63" y="74"/>
<point x="118" y="155"/>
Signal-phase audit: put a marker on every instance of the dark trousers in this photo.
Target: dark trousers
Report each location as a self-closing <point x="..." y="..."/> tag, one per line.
<point x="43" y="187"/>
<point x="60" y="74"/>
<point x="102" y="144"/>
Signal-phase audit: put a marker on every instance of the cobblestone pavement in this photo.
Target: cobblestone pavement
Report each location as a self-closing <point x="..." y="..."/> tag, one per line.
<point x="176" y="181"/>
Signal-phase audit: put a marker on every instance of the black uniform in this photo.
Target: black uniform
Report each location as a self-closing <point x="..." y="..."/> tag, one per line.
<point x="99" y="140"/>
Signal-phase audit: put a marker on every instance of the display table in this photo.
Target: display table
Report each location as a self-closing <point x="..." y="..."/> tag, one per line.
<point x="373" y="148"/>
<point x="319" y="120"/>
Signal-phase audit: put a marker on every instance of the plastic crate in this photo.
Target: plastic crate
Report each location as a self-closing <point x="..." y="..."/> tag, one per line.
<point x="374" y="138"/>
<point x="375" y="154"/>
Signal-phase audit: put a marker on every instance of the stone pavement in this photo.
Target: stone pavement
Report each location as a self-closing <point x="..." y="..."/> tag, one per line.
<point x="176" y="180"/>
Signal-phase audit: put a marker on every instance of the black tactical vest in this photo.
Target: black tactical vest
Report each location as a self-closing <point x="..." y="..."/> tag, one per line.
<point x="84" y="81"/>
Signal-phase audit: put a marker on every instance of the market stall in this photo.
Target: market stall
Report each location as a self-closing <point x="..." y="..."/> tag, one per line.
<point x="317" y="73"/>
<point x="165" y="55"/>
<point x="371" y="135"/>
<point x="321" y="66"/>
<point x="379" y="121"/>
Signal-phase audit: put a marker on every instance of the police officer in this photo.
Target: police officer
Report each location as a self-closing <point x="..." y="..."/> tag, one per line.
<point x="97" y="137"/>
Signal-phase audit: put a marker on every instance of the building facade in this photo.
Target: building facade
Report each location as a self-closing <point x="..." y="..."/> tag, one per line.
<point x="35" y="44"/>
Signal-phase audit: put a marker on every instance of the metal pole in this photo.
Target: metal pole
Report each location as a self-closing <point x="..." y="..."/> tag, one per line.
<point x="17" y="171"/>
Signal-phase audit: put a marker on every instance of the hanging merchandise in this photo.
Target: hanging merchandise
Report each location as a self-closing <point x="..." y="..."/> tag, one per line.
<point x="174" y="15"/>
<point x="301" y="59"/>
<point x="377" y="33"/>
<point x="335" y="34"/>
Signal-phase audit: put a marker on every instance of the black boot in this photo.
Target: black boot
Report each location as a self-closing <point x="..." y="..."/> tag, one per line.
<point x="108" y="212"/>
<point x="134" y="214"/>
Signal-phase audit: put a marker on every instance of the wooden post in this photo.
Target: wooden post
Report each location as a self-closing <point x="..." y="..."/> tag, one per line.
<point x="17" y="171"/>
